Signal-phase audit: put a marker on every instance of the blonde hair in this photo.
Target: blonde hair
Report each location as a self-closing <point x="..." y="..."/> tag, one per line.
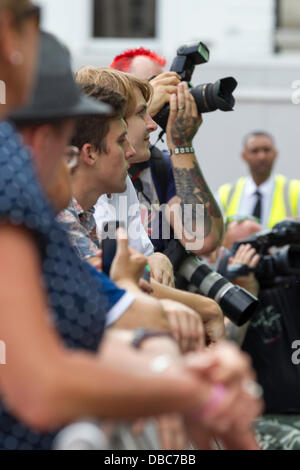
<point x="123" y="83"/>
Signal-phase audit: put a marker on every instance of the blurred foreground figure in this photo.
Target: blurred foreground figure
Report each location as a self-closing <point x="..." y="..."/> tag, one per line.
<point x="19" y="21"/>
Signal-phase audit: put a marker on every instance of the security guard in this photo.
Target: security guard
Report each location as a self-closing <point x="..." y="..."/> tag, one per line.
<point x="270" y="198"/>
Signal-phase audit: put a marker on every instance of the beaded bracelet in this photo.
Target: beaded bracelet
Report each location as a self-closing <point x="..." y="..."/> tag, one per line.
<point x="182" y="150"/>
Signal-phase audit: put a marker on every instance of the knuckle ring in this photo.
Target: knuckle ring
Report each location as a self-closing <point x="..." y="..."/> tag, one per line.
<point x="252" y="388"/>
<point x="180" y="108"/>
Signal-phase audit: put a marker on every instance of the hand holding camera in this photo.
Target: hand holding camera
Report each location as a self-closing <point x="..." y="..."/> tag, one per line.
<point x="246" y="255"/>
<point x="184" y="121"/>
<point x="164" y="85"/>
<point x="208" y="96"/>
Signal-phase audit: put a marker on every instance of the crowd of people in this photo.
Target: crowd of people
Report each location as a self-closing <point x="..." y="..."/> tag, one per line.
<point x="115" y="339"/>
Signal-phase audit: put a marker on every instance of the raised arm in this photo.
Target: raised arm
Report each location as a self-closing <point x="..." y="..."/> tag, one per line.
<point x="200" y="234"/>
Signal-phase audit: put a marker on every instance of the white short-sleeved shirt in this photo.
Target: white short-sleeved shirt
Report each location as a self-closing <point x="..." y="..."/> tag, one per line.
<point x="125" y="208"/>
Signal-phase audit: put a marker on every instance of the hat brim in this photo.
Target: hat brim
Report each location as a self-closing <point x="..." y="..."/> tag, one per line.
<point x="84" y="107"/>
<point x="88" y="106"/>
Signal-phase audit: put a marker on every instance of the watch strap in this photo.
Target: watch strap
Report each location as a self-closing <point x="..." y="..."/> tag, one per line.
<point x="142" y="334"/>
<point x="183" y="150"/>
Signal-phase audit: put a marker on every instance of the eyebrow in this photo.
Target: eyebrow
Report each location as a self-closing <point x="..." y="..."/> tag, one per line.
<point x="123" y="134"/>
<point x="141" y="107"/>
<point x="264" y="147"/>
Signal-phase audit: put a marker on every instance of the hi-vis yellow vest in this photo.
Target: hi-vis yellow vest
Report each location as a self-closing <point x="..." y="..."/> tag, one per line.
<point x="284" y="204"/>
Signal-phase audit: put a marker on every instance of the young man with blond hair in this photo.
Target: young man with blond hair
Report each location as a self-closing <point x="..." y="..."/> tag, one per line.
<point x="140" y="124"/>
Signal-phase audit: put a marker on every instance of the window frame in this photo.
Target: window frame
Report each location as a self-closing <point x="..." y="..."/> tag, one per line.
<point x="286" y="39"/>
<point x="120" y="38"/>
<point x="117" y="44"/>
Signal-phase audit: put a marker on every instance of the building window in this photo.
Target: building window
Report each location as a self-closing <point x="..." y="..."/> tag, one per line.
<point x="287" y="38"/>
<point x="124" y="18"/>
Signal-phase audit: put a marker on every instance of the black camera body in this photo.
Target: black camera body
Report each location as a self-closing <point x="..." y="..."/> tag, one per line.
<point x="187" y="58"/>
<point x="208" y="96"/>
<point x="284" y="233"/>
<point x="283" y="263"/>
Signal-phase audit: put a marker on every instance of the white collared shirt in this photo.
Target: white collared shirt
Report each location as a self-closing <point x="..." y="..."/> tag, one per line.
<point x="248" y="199"/>
<point x="124" y="207"/>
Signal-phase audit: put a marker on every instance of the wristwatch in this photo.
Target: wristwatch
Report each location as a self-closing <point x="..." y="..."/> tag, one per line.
<point x="142" y="334"/>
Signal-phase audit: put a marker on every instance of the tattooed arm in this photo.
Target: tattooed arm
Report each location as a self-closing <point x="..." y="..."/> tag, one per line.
<point x="193" y="212"/>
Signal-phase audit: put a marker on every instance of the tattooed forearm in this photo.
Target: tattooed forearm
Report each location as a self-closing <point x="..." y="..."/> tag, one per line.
<point x="191" y="188"/>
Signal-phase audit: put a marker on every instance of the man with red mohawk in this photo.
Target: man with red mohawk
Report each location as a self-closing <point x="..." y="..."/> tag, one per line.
<point x="140" y="62"/>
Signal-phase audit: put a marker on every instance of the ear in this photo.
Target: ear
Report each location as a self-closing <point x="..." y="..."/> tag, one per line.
<point x="89" y="155"/>
<point x="244" y="157"/>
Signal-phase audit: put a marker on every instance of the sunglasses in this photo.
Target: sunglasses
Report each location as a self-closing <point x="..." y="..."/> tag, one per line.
<point x="71" y="156"/>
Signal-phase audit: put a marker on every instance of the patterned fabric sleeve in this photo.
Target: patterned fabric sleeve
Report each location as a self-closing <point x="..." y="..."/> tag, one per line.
<point x="79" y="236"/>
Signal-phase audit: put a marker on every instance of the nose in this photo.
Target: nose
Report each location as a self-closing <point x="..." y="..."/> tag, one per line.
<point x="151" y="125"/>
<point x="262" y="154"/>
<point x="129" y="150"/>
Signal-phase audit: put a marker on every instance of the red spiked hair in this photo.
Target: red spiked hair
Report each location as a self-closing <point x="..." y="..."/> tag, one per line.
<point x="123" y="61"/>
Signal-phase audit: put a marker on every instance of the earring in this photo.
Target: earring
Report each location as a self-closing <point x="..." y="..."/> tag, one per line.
<point x="16" y="58"/>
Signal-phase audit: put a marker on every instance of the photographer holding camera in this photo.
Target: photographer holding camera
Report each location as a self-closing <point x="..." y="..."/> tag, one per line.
<point x="270" y="333"/>
<point x="175" y="180"/>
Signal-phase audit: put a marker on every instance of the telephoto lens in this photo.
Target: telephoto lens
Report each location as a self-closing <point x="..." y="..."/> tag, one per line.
<point x="237" y="303"/>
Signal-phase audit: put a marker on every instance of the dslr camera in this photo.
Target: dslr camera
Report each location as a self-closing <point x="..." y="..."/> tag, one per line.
<point x="208" y="96"/>
<point x="273" y="268"/>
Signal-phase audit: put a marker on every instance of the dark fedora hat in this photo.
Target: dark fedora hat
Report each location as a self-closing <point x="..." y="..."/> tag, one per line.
<point x="56" y="95"/>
